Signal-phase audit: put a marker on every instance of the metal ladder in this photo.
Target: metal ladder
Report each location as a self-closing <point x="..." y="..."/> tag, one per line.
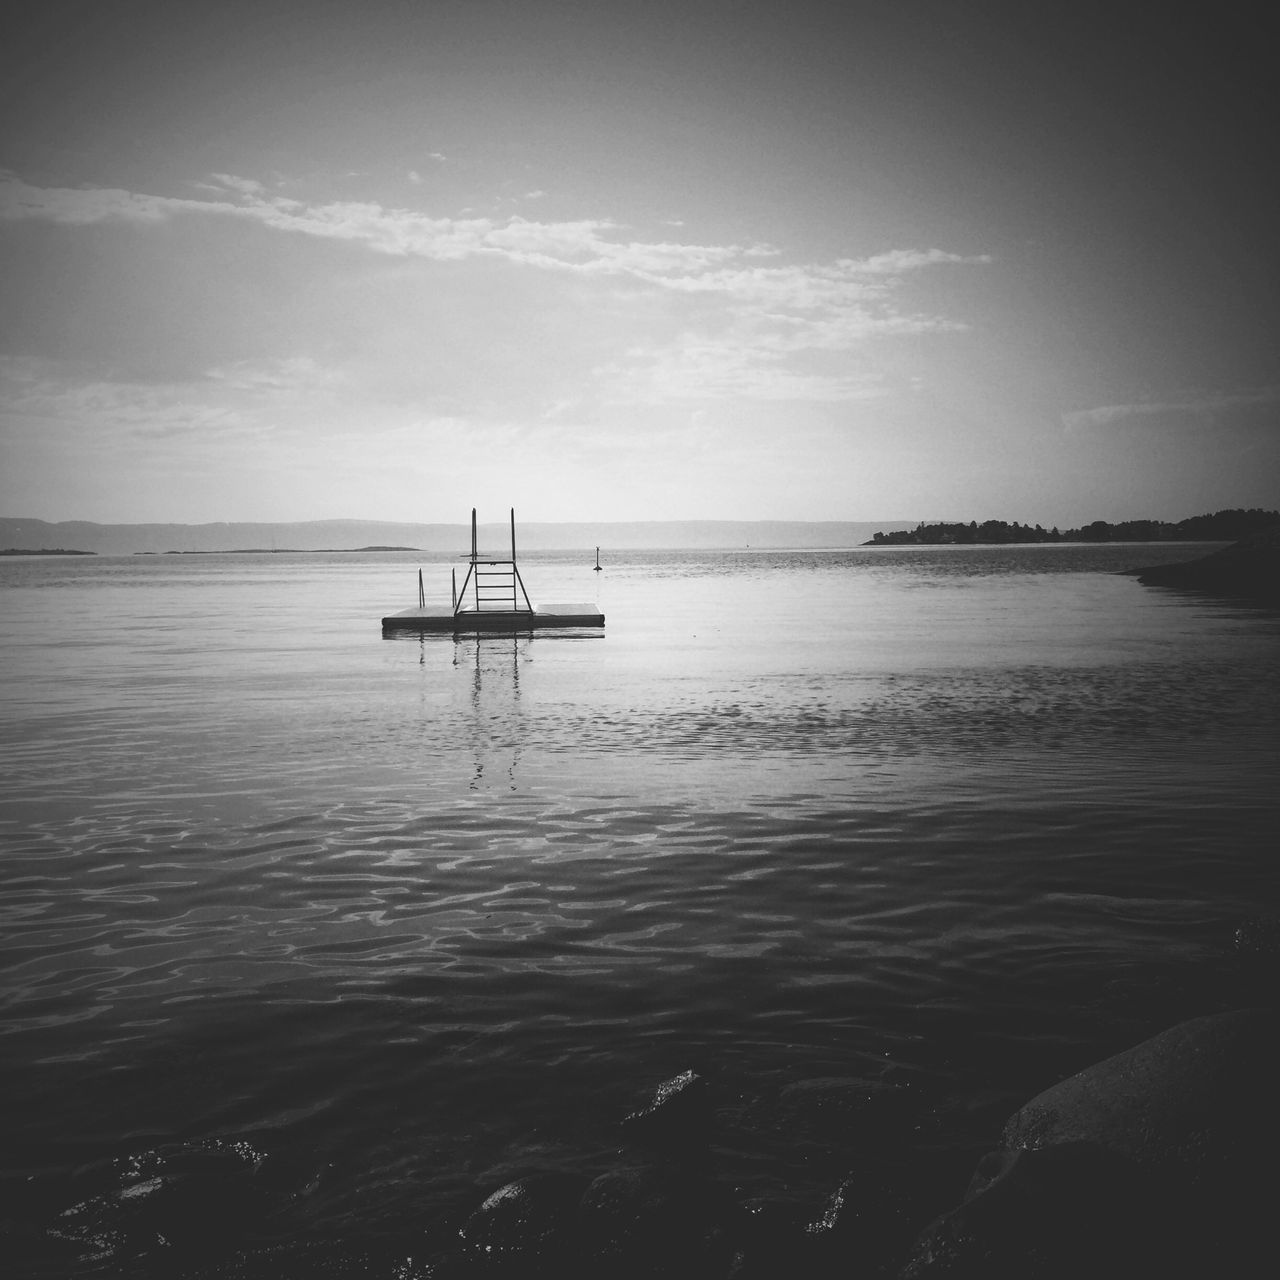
<point x="496" y="585"/>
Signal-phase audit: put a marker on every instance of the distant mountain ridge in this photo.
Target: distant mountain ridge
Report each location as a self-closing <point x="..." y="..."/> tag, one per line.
<point x="23" y="534"/>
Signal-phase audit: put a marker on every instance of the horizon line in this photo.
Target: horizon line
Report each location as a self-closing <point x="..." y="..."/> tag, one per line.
<point x="198" y="524"/>
<point x="502" y="521"/>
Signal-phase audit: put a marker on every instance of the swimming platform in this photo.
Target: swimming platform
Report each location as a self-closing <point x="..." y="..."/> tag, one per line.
<point x="492" y="598"/>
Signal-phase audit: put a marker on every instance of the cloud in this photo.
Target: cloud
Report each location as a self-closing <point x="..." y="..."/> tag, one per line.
<point x="19" y="200"/>
<point x="588" y="245"/>
<point x="234" y="404"/>
<point x="733" y="319"/>
<point x="246" y="186"/>
<point x="899" y="260"/>
<point x="1206" y="410"/>
<point x="291" y="374"/>
<point x="106" y="414"/>
<point x="701" y="371"/>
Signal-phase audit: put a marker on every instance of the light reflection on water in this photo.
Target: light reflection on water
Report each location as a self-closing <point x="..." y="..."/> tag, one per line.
<point x="788" y="807"/>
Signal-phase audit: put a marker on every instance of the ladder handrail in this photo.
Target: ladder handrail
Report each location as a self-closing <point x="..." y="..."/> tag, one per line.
<point x="508" y="572"/>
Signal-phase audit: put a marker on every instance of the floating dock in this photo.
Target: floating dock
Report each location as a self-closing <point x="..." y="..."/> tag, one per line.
<point x="492" y="598"/>
<point x="467" y="620"/>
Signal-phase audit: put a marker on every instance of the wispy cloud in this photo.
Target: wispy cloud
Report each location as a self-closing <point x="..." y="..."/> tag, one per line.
<point x="291" y="374"/>
<point x="738" y="319"/>
<point x="587" y="245"/>
<point x="246" y="186"/>
<point x="1207" y="409"/>
<point x="697" y="368"/>
<point x="109" y="413"/>
<point x="581" y="244"/>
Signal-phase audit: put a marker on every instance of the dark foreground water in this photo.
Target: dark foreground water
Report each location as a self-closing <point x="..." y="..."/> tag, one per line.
<point x="410" y="917"/>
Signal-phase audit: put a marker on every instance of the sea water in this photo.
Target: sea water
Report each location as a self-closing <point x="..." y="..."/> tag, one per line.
<point x="414" y="914"/>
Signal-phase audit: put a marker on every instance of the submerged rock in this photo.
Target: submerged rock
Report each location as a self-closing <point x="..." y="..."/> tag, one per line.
<point x="526" y="1224"/>
<point x="631" y="1223"/>
<point x="1258" y="936"/>
<point x="848" y="1107"/>
<point x="657" y="1222"/>
<point x="183" y="1200"/>
<point x="1157" y="1161"/>
<point x="867" y="1220"/>
<point x="679" y="1115"/>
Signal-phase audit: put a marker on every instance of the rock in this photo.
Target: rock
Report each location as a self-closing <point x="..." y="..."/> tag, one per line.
<point x="195" y="1199"/>
<point x="654" y="1221"/>
<point x="678" y="1116"/>
<point x="846" y="1107"/>
<point x="775" y="1239"/>
<point x="1157" y="1161"/>
<point x="1258" y="937"/>
<point x="527" y="1224"/>
<point x="1249" y="568"/>
<point x="1058" y="1213"/>
<point x="1199" y="1100"/>
<point x="868" y="1219"/>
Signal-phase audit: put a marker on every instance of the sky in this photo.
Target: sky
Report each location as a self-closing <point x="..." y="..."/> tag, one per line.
<point x="715" y="259"/>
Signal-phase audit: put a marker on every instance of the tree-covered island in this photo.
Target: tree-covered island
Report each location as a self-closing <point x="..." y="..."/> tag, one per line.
<point x="1220" y="526"/>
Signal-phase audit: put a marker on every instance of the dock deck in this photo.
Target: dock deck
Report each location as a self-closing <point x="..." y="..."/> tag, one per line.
<point x="472" y="620"/>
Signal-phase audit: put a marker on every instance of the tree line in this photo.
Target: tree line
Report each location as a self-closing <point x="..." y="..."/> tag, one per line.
<point x="1220" y="526"/>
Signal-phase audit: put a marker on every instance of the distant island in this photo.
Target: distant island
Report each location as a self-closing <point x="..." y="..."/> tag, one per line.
<point x="28" y="535"/>
<point x="44" y="551"/>
<point x="1221" y="526"/>
<point x="435" y="539"/>
<point x="273" y="551"/>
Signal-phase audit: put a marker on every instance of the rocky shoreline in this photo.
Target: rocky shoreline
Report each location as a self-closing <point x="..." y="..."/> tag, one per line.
<point x="1249" y="569"/>
<point x="1153" y="1162"/>
<point x="1156" y="1161"/>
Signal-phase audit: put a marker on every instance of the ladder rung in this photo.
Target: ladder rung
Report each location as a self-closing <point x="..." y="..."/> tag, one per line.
<point x="495" y="587"/>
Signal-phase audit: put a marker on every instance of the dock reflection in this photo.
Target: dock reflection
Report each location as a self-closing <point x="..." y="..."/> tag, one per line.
<point x="497" y="736"/>
<point x="481" y="707"/>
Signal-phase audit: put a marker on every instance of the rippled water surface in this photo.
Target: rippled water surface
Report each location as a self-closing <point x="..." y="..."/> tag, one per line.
<point x="414" y="911"/>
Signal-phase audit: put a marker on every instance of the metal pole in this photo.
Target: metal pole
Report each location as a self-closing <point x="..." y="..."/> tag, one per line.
<point x="422" y="598"/>
<point x="454" y="574"/>
<point x="473" y="569"/>
<point x="513" y="535"/>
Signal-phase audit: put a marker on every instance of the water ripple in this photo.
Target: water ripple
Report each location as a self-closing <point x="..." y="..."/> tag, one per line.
<point x="349" y="893"/>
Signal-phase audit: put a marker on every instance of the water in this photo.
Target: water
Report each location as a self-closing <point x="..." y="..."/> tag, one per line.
<point x="412" y="915"/>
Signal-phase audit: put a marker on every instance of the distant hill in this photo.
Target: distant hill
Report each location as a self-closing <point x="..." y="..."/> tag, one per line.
<point x="340" y="535"/>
